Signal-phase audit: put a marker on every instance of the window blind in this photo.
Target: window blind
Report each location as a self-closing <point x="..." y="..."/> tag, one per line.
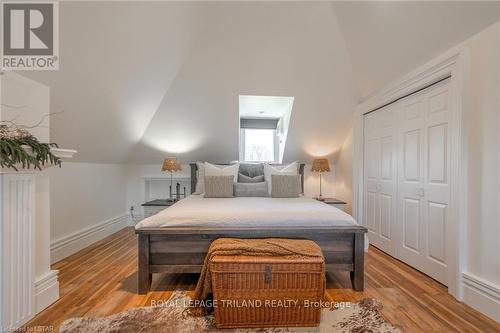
<point x="259" y="123"/>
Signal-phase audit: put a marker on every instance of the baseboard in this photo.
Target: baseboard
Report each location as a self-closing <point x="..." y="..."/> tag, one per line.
<point x="63" y="247"/>
<point x="482" y="295"/>
<point x="46" y="290"/>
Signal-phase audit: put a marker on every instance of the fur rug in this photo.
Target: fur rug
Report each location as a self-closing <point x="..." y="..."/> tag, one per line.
<point x="361" y="317"/>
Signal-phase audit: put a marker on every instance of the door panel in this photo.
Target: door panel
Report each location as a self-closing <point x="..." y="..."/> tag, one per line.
<point x="411" y="150"/>
<point x="373" y="151"/>
<point x="423" y="184"/>
<point x="385" y="216"/>
<point x="380" y="177"/>
<point x="386" y="158"/>
<point x="437" y="182"/>
<point x="437" y="157"/>
<point x="438" y="101"/>
<point x="411" y="224"/>
<point x="436" y="234"/>
<point x="410" y="181"/>
<point x="371" y="210"/>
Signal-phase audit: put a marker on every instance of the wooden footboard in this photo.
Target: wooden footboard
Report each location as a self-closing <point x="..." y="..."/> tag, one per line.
<point x="182" y="250"/>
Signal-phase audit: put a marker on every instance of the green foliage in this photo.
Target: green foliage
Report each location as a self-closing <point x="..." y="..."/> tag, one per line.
<point x="13" y="152"/>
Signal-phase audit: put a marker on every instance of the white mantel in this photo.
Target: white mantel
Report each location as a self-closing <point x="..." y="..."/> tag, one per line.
<point x="63" y="153"/>
<point x="28" y="285"/>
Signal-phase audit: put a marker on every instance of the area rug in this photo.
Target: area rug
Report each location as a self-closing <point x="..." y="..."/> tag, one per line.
<point x="170" y="317"/>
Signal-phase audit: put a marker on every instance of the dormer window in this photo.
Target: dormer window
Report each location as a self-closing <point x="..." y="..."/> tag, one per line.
<point x="264" y="124"/>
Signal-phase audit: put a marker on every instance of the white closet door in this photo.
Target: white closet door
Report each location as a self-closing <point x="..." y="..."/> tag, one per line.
<point x="380" y="177"/>
<point x="423" y="181"/>
<point x="411" y="224"/>
<point x="436" y="181"/>
<point x="406" y="177"/>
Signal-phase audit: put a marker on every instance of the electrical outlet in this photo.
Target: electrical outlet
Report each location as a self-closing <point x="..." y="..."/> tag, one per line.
<point x="131" y="208"/>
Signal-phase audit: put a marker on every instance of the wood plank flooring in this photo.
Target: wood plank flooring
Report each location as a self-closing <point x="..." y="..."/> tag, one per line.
<point x="101" y="280"/>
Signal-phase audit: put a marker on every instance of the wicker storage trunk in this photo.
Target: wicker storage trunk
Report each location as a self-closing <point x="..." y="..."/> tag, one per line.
<point x="267" y="291"/>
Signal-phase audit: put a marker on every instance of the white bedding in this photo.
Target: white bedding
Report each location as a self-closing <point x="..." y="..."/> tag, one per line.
<point x="196" y="211"/>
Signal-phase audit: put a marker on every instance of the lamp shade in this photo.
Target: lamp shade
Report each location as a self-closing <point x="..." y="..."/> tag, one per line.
<point x="320" y="165"/>
<point x="171" y="164"/>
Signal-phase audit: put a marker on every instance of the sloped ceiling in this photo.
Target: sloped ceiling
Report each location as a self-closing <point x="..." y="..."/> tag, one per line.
<point x="276" y="49"/>
<point x="142" y="80"/>
<point x="117" y="60"/>
<point x="387" y="39"/>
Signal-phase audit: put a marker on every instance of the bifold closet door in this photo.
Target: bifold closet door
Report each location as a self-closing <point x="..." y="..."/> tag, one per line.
<point x="423" y="186"/>
<point x="406" y="179"/>
<point x="380" y="177"/>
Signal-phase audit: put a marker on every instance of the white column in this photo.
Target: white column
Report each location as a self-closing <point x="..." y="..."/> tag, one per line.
<point x="46" y="282"/>
<point x="17" y="266"/>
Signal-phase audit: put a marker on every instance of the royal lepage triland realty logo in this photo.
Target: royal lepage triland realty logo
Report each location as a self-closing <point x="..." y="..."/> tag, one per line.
<point x="29" y="35"/>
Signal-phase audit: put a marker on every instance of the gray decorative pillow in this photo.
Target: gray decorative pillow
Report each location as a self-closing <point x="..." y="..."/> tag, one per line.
<point x="246" y="179"/>
<point x="252" y="169"/>
<point x="285" y="186"/>
<point x="219" y="186"/>
<point x="251" y="189"/>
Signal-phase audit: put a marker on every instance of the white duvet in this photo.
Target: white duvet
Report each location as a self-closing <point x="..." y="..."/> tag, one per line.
<point x="196" y="211"/>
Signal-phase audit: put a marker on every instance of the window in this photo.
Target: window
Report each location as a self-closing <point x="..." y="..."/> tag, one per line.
<point x="258" y="145"/>
<point x="264" y="124"/>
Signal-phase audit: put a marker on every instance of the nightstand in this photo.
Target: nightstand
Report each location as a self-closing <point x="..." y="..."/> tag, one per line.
<point x="155" y="206"/>
<point x="334" y="202"/>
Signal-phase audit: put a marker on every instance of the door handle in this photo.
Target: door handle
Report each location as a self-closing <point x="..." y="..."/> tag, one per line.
<point x="421" y="192"/>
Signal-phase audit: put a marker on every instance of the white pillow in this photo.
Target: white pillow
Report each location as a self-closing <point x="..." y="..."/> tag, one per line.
<point x="213" y="171"/>
<point x="290" y="169"/>
<point x="222" y="170"/>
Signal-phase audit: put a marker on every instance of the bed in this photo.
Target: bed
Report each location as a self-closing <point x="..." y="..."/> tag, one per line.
<point x="176" y="240"/>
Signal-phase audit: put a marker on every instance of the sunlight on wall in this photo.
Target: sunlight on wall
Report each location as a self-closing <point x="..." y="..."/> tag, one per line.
<point x="175" y="141"/>
<point x="320" y="146"/>
<point x="323" y="149"/>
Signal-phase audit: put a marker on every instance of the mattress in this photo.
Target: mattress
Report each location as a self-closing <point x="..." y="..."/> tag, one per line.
<point x="248" y="212"/>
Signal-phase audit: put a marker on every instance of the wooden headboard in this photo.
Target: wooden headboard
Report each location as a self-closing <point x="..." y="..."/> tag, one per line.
<point x="194" y="175"/>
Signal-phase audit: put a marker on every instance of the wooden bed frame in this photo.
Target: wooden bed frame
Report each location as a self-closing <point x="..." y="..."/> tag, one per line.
<point x="183" y="249"/>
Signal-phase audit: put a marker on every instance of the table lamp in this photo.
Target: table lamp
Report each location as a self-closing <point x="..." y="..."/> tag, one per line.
<point x="171" y="164"/>
<point x="320" y="165"/>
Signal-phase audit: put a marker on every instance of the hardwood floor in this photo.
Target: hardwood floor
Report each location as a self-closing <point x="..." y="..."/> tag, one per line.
<point x="101" y="280"/>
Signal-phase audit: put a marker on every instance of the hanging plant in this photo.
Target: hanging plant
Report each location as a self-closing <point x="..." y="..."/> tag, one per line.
<point x="19" y="147"/>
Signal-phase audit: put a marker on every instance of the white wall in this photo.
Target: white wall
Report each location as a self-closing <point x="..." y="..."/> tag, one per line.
<point x="483" y="123"/>
<point x="343" y="176"/>
<point x="135" y="173"/>
<point x="311" y="182"/>
<point x="88" y="203"/>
